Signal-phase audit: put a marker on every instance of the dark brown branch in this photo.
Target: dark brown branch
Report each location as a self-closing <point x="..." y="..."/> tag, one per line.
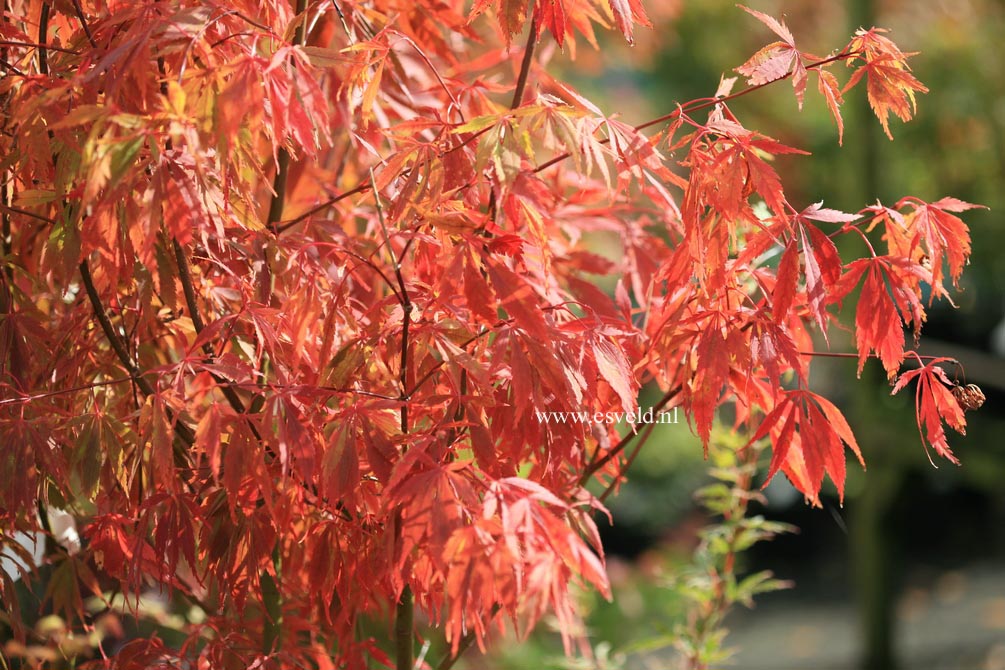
<point x="528" y="58"/>
<point x="431" y="371"/>
<point x="404" y="622"/>
<point x="254" y="23"/>
<point x="183" y="432"/>
<point x="43" y="38"/>
<point x="373" y="266"/>
<point x="185" y="277"/>
<point x="359" y="188"/>
<point x="341" y="18"/>
<point x="11" y="68"/>
<point x="283" y="159"/>
<point x="124" y="380"/>
<point x="278" y="191"/>
<point x="404" y="618"/>
<point x="83" y="23"/>
<point x="7" y="207"/>
<point x="118" y="346"/>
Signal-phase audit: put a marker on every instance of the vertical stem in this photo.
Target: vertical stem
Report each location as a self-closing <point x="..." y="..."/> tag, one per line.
<point x="272" y="635"/>
<point x="870" y="550"/>
<point x="275" y="214"/>
<point x="528" y="58"/>
<point x="873" y="565"/>
<point x="404" y="620"/>
<point x="8" y="184"/>
<point x="404" y="647"/>
<point x="43" y="38"/>
<point x="271" y="598"/>
<point x="278" y="200"/>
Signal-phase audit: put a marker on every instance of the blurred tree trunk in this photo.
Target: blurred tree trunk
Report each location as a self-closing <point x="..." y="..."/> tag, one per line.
<point x="873" y="561"/>
<point x="871" y="556"/>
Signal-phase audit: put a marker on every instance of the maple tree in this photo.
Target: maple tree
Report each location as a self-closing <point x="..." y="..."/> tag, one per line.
<point x="286" y="287"/>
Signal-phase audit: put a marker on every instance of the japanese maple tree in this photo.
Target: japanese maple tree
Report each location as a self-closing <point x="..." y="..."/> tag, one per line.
<point x="287" y="286"/>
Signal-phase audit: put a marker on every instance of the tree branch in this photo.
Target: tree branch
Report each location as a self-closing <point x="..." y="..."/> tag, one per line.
<point x="183" y="432"/>
<point x="404" y="620"/>
<point x="613" y="452"/>
<point x="646" y="433"/>
<point x="692" y="106"/>
<point x="83" y="23"/>
<point x="283" y="159"/>
<point x="528" y="58"/>
<point x="185" y="276"/>
<point x="404" y="650"/>
<point x="703" y="103"/>
<point x="118" y="346"/>
<point x="43" y="37"/>
<point x="37" y="45"/>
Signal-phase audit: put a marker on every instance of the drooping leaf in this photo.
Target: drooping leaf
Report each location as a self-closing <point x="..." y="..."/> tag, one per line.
<point x="934" y="405"/>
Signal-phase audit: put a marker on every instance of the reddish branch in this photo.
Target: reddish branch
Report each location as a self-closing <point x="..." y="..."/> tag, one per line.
<point x="614" y="451"/>
<point x="690" y="107"/>
<point x="404" y="618"/>
<point x="37" y="45"/>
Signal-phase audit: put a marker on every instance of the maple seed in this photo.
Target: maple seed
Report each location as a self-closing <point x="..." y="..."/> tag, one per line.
<point x="970" y="396"/>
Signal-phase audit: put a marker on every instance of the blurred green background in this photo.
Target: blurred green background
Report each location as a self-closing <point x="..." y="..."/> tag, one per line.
<point x="910" y="572"/>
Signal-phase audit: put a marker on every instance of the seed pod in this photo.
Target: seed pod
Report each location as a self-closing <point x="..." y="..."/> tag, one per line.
<point x="970" y="396"/>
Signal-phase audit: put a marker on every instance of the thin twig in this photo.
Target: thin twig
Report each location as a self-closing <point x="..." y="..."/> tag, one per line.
<point x="646" y="433"/>
<point x="613" y="452"/>
<point x="258" y="25"/>
<point x="528" y="58"/>
<point x="341" y="18"/>
<point x="359" y="188"/>
<point x="431" y="371"/>
<point x="838" y="354"/>
<point x="118" y="346"/>
<point x="83" y="23"/>
<point x="703" y="103"/>
<point x="50" y="394"/>
<point x="404" y="618"/>
<point x="693" y="106"/>
<point x="37" y="45"/>
<point x="432" y="68"/>
<point x="8" y="66"/>
<point x="7" y="207"/>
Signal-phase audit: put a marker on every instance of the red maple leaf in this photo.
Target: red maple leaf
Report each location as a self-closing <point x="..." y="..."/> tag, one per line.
<point x="940" y="233"/>
<point x="807" y="434"/>
<point x="827" y="85"/>
<point x="934" y="403"/>
<point x="890" y="299"/>
<point x="626" y="14"/>
<point x="777" y="59"/>
<point x="890" y="85"/>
